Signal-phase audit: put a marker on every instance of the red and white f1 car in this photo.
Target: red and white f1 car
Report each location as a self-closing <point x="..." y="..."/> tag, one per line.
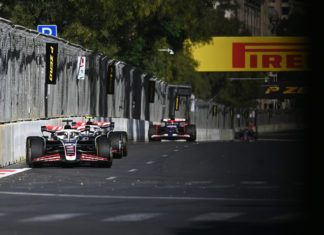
<point x="172" y="129"/>
<point x="73" y="144"/>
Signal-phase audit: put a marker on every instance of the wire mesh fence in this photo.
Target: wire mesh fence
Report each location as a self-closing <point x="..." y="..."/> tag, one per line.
<point x="24" y="94"/>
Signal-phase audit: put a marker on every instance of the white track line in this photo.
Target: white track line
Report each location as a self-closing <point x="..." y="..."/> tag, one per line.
<point x="149" y="162"/>
<point x="146" y="197"/>
<point x="52" y="217"/>
<point x="132" y="217"/>
<point x="111" y="178"/>
<point x="133" y="170"/>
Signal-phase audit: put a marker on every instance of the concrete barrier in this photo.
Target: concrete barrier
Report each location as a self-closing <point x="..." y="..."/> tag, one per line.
<point x="279" y="127"/>
<point x="13" y="139"/>
<point x="136" y="129"/>
<point x="214" y="134"/>
<point x="13" y="135"/>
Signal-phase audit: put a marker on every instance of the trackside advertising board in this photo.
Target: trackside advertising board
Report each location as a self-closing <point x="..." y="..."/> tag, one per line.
<point x="252" y="54"/>
<point x="51" y="63"/>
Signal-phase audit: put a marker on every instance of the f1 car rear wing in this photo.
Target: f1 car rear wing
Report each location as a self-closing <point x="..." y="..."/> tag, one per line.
<point x="174" y="120"/>
<point x="83" y="125"/>
<point x="51" y="129"/>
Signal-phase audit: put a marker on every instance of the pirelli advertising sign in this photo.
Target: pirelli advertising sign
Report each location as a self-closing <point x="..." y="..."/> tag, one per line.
<point x="252" y="54"/>
<point x="51" y="62"/>
<point x="282" y="90"/>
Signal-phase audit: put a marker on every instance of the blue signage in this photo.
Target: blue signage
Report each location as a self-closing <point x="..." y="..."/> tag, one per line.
<point x="47" y="29"/>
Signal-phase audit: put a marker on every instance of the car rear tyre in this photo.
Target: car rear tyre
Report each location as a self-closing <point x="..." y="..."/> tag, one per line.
<point x="124" y="139"/>
<point x="34" y="149"/>
<point x="192" y="132"/>
<point x="116" y="144"/>
<point x="104" y="150"/>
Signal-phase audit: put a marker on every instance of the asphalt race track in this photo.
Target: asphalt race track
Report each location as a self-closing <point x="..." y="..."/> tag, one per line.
<point x="166" y="188"/>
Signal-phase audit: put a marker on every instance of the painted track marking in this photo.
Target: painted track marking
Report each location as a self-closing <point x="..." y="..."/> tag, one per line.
<point x="111" y="178"/>
<point x="52" y="217"/>
<point x="133" y="170"/>
<point x="149" y="197"/>
<point x="132" y="217"/>
<point x="8" y="172"/>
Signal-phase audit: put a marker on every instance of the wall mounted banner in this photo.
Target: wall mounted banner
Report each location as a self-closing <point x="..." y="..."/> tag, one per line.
<point x="252" y="54"/>
<point x="177" y="103"/>
<point x="51" y="63"/>
<point x="111" y="75"/>
<point x="282" y="90"/>
<point x="81" y="67"/>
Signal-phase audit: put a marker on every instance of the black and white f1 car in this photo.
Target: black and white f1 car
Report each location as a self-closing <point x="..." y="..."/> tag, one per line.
<point x="71" y="144"/>
<point x="172" y="129"/>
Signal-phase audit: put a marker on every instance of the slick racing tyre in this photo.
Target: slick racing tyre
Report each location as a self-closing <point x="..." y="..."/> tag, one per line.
<point x="116" y="144"/>
<point x="104" y="150"/>
<point x="34" y="149"/>
<point x="124" y="139"/>
<point x="191" y="130"/>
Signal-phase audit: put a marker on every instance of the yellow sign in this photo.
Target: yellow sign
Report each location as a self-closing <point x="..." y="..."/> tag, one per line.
<point x="252" y="54"/>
